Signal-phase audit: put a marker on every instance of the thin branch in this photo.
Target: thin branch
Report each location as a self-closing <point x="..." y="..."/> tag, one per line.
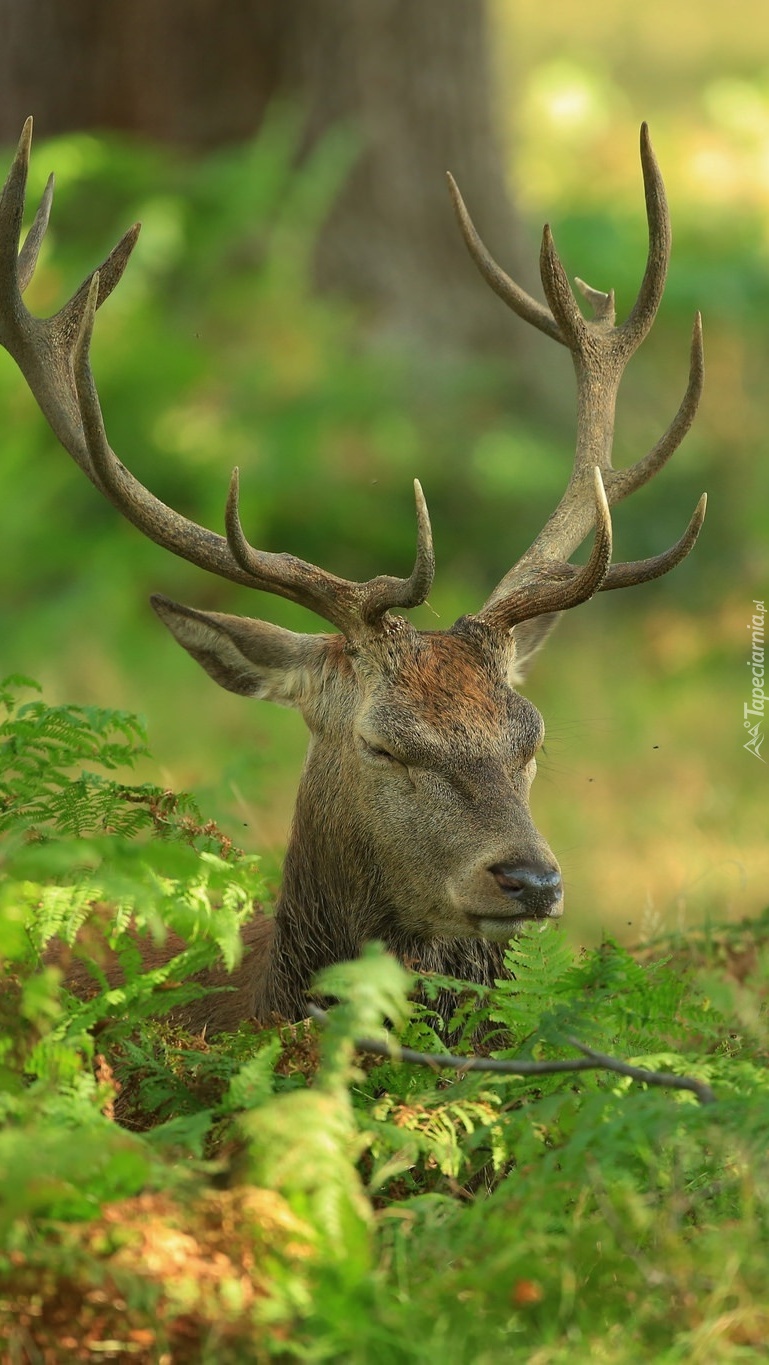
<point x="639" y="1073"/>
<point x="591" y="1061"/>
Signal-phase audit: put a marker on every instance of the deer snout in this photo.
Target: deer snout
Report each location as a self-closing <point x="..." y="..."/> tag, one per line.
<point x="538" y="890"/>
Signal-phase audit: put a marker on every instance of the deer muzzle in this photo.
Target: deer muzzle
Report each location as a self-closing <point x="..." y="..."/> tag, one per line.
<point x="536" y="891"/>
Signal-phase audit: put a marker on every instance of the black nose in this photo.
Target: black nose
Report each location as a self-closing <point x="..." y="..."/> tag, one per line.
<point x="538" y="890"/>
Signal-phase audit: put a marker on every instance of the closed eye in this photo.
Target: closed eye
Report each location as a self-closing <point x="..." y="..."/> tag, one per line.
<point x="377" y="750"/>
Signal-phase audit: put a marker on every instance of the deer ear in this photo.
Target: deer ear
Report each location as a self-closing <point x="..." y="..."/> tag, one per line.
<point x="528" y="638"/>
<point x="252" y="658"/>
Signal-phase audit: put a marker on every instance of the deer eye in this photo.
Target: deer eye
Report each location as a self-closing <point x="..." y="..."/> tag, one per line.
<point x="377" y="750"/>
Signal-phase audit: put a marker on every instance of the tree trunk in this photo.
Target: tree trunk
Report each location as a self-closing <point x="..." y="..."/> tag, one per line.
<point x="411" y="81"/>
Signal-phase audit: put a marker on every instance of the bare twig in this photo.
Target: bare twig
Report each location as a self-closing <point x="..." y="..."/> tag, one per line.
<point x="639" y="1073"/>
<point x="591" y="1061"/>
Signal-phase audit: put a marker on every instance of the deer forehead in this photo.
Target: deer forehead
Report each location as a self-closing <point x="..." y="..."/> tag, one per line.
<point x="435" y="691"/>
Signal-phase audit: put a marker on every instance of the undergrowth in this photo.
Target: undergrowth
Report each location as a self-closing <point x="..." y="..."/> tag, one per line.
<point x="276" y="1193"/>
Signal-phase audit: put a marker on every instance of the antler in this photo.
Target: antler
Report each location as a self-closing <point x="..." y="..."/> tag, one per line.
<point x="53" y="355"/>
<point x="542" y="580"/>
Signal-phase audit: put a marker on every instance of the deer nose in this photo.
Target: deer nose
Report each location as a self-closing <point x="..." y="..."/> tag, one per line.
<point x="538" y="890"/>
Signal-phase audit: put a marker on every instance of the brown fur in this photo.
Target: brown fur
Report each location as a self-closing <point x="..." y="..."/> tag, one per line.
<point x="402" y="847"/>
<point x="233" y="997"/>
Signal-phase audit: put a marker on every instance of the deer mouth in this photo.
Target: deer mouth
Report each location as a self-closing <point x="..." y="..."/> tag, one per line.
<point x="499" y="928"/>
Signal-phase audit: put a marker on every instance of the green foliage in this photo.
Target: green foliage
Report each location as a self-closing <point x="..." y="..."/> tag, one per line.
<point x="586" y="1193"/>
<point x="376" y="1210"/>
<point x="55" y="881"/>
<point x="40" y="745"/>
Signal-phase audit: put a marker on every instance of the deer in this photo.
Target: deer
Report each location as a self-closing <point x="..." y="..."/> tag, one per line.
<point x="412" y="822"/>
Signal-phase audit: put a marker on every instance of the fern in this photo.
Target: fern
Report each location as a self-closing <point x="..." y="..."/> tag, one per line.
<point x="40" y="744"/>
<point x="537" y="1005"/>
<point x="563" y="1197"/>
<point x="41" y="796"/>
<point x="58" y="883"/>
<point x="445" y="1129"/>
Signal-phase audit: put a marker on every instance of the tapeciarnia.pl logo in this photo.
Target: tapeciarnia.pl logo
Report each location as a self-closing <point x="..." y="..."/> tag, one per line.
<point x="753" y="711"/>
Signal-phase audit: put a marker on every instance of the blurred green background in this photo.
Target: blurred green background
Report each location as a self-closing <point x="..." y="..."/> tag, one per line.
<point x="219" y="347"/>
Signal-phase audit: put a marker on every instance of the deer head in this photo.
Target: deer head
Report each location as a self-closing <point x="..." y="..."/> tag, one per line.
<point x="412" y="821"/>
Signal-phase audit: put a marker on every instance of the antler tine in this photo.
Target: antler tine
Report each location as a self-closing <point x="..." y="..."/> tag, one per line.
<point x="564" y="307"/>
<point x="510" y="293"/>
<point x="355" y="608"/>
<point x="627" y="575"/>
<point x="34" y="239"/>
<point x="600" y="350"/>
<point x="644" y="310"/>
<point x="54" y="356"/>
<point x="559" y="586"/>
<point x="11" y="217"/>
<point x="635" y="571"/>
<point x="350" y="606"/>
<point x="381" y="593"/>
<point x="43" y="347"/>
<point x="626" y="481"/>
